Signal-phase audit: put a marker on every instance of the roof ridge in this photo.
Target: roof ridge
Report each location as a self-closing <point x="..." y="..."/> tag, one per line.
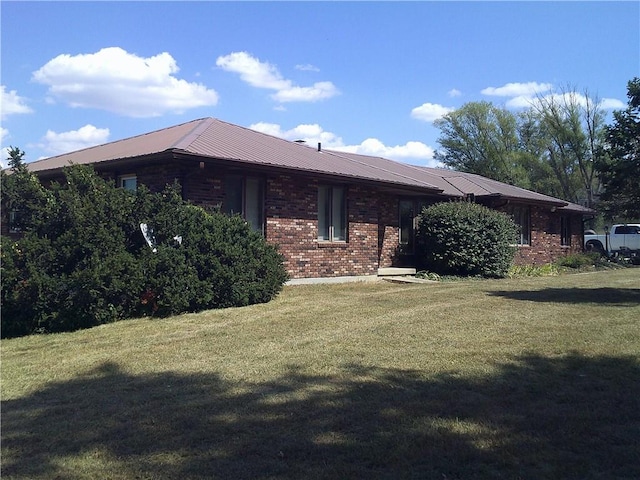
<point x="203" y="125"/>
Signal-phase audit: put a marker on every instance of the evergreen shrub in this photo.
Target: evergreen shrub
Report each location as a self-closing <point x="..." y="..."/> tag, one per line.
<point x="82" y="259"/>
<point x="462" y="238"/>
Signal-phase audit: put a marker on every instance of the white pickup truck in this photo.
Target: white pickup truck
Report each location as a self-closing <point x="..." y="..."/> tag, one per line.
<point x="622" y="239"/>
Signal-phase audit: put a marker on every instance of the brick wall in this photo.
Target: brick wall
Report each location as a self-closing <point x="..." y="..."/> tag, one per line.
<point x="545" y="238"/>
<point x="291" y="206"/>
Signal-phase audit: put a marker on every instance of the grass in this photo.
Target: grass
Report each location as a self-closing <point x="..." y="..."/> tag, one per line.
<point x="531" y="378"/>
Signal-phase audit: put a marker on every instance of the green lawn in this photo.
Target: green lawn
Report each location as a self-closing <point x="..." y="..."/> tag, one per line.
<point x="535" y="378"/>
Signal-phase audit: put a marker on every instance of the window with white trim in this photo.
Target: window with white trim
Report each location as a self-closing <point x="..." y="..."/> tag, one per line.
<point x="332" y="214"/>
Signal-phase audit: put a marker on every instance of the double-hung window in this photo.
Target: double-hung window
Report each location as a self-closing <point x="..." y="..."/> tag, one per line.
<point x="565" y="231"/>
<point x="332" y="214"/>
<point x="245" y="196"/>
<point x="521" y="216"/>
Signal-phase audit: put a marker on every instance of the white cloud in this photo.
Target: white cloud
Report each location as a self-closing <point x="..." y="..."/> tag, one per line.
<point x="64" y="142"/>
<point x="307" y="68"/>
<point x="312" y="134"/>
<point x="529" y="89"/>
<point x="117" y="81"/>
<point x="4" y="151"/>
<point x="612" y="104"/>
<point x="454" y="92"/>
<point x="11" y="103"/>
<point x="430" y="112"/>
<point x="409" y="151"/>
<point x="264" y="75"/>
<point x="572" y="98"/>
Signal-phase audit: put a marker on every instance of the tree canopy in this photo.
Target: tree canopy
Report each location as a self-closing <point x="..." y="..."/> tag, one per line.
<point x="551" y="147"/>
<point x="619" y="169"/>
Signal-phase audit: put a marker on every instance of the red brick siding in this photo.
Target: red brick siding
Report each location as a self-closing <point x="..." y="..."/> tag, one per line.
<point x="545" y="238"/>
<point x="388" y="230"/>
<point x="291" y="206"/>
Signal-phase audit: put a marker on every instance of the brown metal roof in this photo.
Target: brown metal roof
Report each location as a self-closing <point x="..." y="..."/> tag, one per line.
<point x="213" y="138"/>
<point x="148" y="143"/>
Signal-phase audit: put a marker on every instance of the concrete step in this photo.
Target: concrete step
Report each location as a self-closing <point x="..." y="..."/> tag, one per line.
<point x="396" y="271"/>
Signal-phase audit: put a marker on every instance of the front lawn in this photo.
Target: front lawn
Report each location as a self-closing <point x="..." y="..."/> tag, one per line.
<point x="534" y="378"/>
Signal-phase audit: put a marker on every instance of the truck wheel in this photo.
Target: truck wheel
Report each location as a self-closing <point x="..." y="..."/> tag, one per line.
<point x="595" y="246"/>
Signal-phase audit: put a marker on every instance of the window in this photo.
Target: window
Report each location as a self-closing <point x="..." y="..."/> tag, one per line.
<point x="627" y="230"/>
<point x="521" y="217"/>
<point x="407" y="227"/>
<point x="14" y="220"/>
<point x="332" y="214"/>
<point x="245" y="196"/>
<point x="128" y="182"/>
<point x="565" y="231"/>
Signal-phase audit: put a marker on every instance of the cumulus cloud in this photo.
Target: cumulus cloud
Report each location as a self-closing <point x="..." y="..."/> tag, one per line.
<point x="312" y="134"/>
<point x="409" y="151"/>
<point x="526" y="95"/>
<point x="309" y="133"/>
<point x="454" y="92"/>
<point x="612" y="104"/>
<point x="264" y="75"/>
<point x="11" y="103"/>
<point x="574" y="98"/>
<point x="4" y="151"/>
<point x="528" y="89"/>
<point x="430" y="112"/>
<point x="115" y="80"/>
<point x="64" y="142"/>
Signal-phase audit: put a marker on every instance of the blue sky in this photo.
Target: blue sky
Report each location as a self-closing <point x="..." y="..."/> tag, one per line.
<point x="369" y="77"/>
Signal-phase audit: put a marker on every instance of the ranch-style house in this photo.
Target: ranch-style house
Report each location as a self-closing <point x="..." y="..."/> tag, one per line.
<point x="332" y="214"/>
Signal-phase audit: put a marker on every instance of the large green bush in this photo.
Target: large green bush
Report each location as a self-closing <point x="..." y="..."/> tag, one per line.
<point x="462" y="238"/>
<point x="83" y="261"/>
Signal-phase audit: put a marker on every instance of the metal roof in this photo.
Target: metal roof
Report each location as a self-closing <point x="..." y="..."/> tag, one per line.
<point x="212" y="138"/>
<point x="215" y="139"/>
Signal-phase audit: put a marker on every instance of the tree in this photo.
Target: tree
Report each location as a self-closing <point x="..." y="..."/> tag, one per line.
<point x="571" y="125"/>
<point x="23" y="197"/>
<point x="619" y="169"/>
<point x="483" y="139"/>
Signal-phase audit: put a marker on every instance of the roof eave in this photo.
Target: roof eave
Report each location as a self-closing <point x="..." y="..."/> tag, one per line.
<point x="431" y="190"/>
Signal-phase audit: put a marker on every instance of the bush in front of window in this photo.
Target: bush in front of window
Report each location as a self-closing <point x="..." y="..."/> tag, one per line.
<point x="463" y="238"/>
<point x="205" y="260"/>
<point x="83" y="260"/>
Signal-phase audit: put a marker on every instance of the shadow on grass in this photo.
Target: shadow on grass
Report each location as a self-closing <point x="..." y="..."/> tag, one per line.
<point x="570" y="417"/>
<point x="604" y="295"/>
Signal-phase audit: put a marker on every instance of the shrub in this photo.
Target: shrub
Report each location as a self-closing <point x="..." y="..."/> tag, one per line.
<point x="579" y="260"/>
<point x="83" y="261"/>
<point x="461" y="238"/>
<point x="546" y="270"/>
<point x="219" y="262"/>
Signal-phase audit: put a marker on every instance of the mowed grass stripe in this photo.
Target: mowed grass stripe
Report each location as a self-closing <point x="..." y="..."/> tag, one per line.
<point x="518" y="378"/>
